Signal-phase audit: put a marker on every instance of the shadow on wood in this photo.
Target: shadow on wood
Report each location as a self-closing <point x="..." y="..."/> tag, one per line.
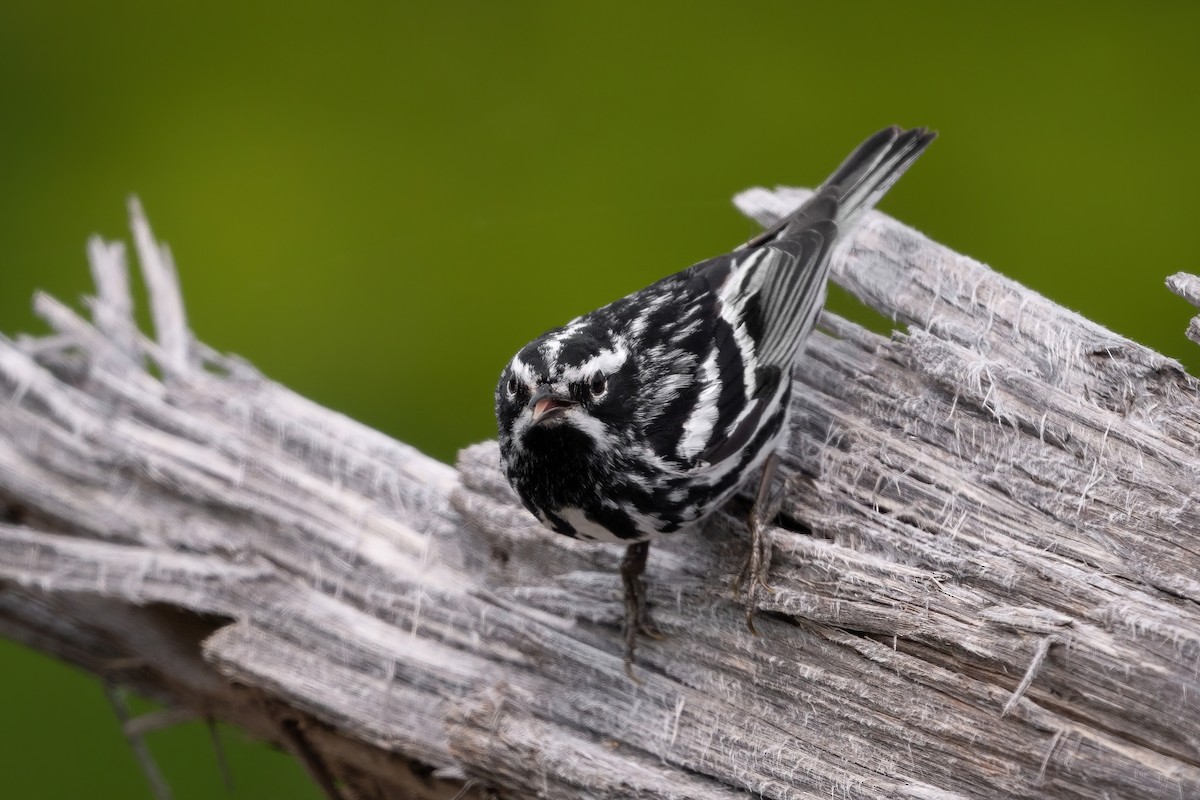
<point x="986" y="571"/>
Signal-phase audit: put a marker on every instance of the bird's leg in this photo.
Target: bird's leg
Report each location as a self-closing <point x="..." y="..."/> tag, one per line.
<point x="758" y="562"/>
<point x="637" y="610"/>
<point x="135" y="729"/>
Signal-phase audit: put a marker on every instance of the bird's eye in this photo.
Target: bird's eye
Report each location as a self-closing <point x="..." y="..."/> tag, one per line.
<point x="512" y="387"/>
<point x="598" y="385"/>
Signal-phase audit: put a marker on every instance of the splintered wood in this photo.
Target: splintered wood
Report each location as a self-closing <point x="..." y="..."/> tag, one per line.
<point x="986" y="572"/>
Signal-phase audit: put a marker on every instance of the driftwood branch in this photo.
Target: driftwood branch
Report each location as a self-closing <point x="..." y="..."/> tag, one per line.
<point x="986" y="571"/>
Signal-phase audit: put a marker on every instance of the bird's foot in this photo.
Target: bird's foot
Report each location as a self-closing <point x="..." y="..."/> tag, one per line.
<point x="637" y="609"/>
<point x="756" y="569"/>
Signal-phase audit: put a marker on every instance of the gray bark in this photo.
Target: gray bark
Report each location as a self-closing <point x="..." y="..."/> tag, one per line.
<point x="986" y="573"/>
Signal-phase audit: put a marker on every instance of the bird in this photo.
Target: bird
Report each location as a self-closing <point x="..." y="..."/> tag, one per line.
<point x="641" y="419"/>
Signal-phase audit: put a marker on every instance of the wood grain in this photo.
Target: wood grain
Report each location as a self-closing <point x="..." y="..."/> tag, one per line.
<point x="986" y="572"/>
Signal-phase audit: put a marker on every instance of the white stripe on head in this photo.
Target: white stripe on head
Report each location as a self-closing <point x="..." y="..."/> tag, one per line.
<point x="524" y="372"/>
<point x="550" y="348"/>
<point x="595" y="430"/>
<point x="607" y="361"/>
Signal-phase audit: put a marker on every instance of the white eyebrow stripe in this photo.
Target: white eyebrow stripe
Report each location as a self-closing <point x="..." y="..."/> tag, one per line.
<point x="606" y="361"/>
<point x="523" y="372"/>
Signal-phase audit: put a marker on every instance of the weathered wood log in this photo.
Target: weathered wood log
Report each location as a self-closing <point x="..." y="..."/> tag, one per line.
<point x="986" y="571"/>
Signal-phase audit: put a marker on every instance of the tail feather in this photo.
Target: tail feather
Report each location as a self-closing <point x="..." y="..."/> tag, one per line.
<point x="867" y="174"/>
<point x="856" y="186"/>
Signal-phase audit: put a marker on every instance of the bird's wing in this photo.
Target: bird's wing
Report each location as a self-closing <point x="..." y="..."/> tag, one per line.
<point x="736" y="323"/>
<point x="756" y="305"/>
<point x="769" y="305"/>
<point x="782" y="290"/>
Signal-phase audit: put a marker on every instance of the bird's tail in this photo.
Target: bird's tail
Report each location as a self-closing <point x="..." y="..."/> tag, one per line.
<point x="871" y="170"/>
<point x="787" y="281"/>
<point x="854" y="187"/>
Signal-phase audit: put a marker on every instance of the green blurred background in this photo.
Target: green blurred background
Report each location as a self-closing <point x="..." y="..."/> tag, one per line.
<point x="378" y="203"/>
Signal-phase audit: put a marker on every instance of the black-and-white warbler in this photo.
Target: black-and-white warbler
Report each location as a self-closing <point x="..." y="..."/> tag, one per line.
<point x="645" y="416"/>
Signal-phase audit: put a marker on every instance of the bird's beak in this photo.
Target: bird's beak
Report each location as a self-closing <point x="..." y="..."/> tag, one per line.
<point x="546" y="404"/>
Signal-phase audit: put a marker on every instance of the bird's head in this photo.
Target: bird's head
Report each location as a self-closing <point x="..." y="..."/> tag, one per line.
<point x="565" y="386"/>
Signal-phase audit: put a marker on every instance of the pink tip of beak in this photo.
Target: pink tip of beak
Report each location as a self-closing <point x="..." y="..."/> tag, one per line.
<point x="545" y="406"/>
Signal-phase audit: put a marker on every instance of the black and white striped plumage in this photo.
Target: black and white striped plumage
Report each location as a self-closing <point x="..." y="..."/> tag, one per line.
<point x="645" y="416"/>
